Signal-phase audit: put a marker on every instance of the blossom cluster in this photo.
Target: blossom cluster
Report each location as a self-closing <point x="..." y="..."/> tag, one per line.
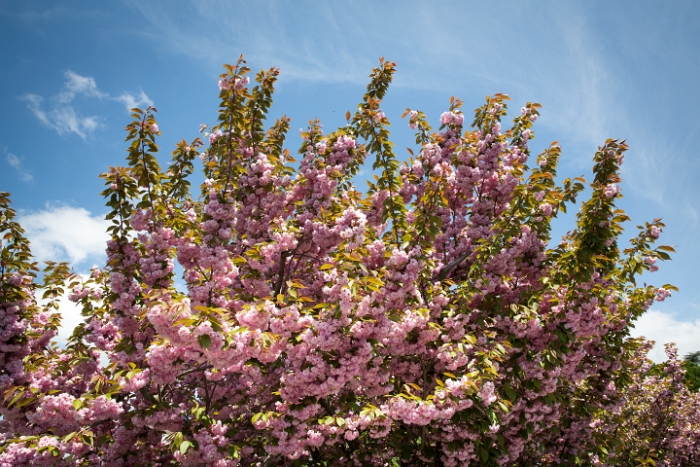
<point x="427" y="321"/>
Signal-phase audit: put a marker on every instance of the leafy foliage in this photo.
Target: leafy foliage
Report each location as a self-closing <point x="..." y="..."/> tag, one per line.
<point x="691" y="365"/>
<point x="426" y="321"/>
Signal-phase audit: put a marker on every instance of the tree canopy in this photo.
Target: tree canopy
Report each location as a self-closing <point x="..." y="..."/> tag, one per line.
<point x="428" y="320"/>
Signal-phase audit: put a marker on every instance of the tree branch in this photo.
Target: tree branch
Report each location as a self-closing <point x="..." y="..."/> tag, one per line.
<point x="194" y="370"/>
<point x="445" y="270"/>
<point x="280" y="273"/>
<point x="324" y="403"/>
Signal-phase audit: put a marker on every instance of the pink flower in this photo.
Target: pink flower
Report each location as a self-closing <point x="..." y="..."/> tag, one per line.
<point x="241" y="83"/>
<point x="486" y="394"/>
<point x="662" y="294"/>
<point x="224" y="84"/>
<point x="611" y="190"/>
<point x="153" y="128"/>
<point x="451" y="118"/>
<point x="214" y="136"/>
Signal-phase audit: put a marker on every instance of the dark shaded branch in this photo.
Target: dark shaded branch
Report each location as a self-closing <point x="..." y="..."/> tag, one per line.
<point x="445" y="270"/>
<point x="194" y="370"/>
<point x="280" y="273"/>
<point x="324" y="403"/>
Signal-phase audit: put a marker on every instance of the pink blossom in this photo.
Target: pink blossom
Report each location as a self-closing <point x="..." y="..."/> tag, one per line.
<point x="486" y="393"/>
<point x="611" y="190"/>
<point x="309" y="319"/>
<point x="215" y="135"/>
<point x="240" y="83"/>
<point x="224" y="84"/>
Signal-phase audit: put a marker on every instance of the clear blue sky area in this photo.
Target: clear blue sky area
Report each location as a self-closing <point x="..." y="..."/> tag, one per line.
<point x="601" y="69"/>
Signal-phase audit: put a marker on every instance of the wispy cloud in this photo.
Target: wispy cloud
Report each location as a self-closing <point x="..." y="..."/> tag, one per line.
<point x="33" y="17"/>
<point x="594" y="83"/>
<point x="76" y="84"/>
<point x="61" y="117"/>
<point x="60" y="233"/>
<point x="60" y="113"/>
<point x="131" y="101"/>
<point x="16" y="163"/>
<point x="267" y="35"/>
<point x="551" y="55"/>
<point x="664" y="328"/>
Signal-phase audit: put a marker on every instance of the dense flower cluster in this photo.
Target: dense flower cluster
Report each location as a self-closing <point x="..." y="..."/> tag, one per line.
<point x="657" y="420"/>
<point x="428" y="321"/>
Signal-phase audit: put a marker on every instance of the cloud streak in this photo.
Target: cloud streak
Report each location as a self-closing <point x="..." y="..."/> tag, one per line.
<point x="16" y="163"/>
<point x="60" y="112"/>
<point x="75" y="85"/>
<point x="131" y="101"/>
<point x="552" y="56"/>
<point x="61" y="117"/>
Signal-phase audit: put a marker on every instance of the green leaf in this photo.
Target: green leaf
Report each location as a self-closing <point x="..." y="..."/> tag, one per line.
<point x="16" y="398"/>
<point x="204" y="340"/>
<point x="185" y="446"/>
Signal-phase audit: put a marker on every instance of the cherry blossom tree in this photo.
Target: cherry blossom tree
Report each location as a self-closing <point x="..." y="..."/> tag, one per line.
<point x="428" y="320"/>
<point x="658" y="422"/>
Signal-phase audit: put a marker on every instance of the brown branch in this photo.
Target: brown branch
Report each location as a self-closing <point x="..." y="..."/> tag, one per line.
<point x="194" y="370"/>
<point x="324" y="403"/>
<point x="445" y="270"/>
<point x="280" y="273"/>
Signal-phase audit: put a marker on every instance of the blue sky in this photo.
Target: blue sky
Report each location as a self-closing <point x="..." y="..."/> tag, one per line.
<point x="625" y="69"/>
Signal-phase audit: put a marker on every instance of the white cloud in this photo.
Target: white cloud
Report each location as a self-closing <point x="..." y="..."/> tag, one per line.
<point x="70" y="313"/>
<point x="664" y="328"/>
<point x="61" y="233"/>
<point x="16" y="164"/>
<point x="34" y="104"/>
<point x="131" y="101"/>
<point x="70" y="318"/>
<point x="61" y="117"/>
<point x="76" y="84"/>
<point x="61" y="114"/>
